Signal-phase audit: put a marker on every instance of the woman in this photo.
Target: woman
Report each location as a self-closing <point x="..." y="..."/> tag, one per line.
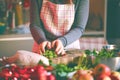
<point x="57" y="24"/>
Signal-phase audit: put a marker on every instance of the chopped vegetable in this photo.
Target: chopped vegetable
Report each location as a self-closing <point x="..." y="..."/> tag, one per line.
<point x="61" y="71"/>
<point x="50" y="54"/>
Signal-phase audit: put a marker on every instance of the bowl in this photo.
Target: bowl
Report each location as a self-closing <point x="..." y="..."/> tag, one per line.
<point x="113" y="63"/>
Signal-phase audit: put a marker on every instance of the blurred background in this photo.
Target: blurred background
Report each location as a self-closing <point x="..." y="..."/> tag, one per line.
<point x="14" y="26"/>
<point x="103" y="25"/>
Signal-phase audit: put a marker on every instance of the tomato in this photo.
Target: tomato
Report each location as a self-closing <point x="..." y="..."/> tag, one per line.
<point x="39" y="73"/>
<point x="115" y="75"/>
<point x="101" y="69"/>
<point x="13" y="68"/>
<point x="39" y="68"/>
<point x="15" y="74"/>
<point x="51" y="77"/>
<point x="13" y="78"/>
<point x="22" y="70"/>
<point x="102" y="77"/>
<point x="30" y="70"/>
<point x="42" y="75"/>
<point x="82" y="75"/>
<point x="25" y="76"/>
<point x="6" y="72"/>
<point x="86" y="77"/>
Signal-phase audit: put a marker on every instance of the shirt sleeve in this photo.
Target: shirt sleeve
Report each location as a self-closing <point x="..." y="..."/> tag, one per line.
<point x="36" y="27"/>
<point x="80" y="21"/>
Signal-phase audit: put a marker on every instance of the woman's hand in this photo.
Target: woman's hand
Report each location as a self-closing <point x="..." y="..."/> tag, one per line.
<point x="43" y="45"/>
<point x="58" y="47"/>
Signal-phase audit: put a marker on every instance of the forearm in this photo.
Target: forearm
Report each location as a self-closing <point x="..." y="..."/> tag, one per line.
<point x="81" y="17"/>
<point x="35" y="23"/>
<point x="37" y="34"/>
<point x="71" y="36"/>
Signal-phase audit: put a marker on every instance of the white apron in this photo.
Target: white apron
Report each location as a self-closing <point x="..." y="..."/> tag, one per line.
<point x="57" y="20"/>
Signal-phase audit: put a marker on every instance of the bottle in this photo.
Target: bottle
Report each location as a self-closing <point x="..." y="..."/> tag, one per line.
<point x="11" y="18"/>
<point x="26" y="11"/>
<point x="19" y="12"/>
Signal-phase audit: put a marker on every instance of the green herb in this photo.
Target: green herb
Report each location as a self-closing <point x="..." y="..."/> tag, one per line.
<point x="84" y="63"/>
<point x="103" y="53"/>
<point x="61" y="71"/>
<point x="50" y="54"/>
<point x="89" y="52"/>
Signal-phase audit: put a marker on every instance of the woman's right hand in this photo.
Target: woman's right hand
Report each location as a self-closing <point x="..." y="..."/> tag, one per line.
<point x="58" y="47"/>
<point x="43" y="46"/>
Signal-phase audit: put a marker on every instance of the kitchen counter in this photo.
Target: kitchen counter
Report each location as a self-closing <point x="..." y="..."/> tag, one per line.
<point x="10" y="43"/>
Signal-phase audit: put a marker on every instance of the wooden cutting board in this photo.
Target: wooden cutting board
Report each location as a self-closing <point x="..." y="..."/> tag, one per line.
<point x="69" y="57"/>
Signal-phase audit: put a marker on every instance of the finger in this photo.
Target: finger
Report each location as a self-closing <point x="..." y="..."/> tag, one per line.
<point x="42" y="47"/>
<point x="53" y="44"/>
<point x="59" y="51"/>
<point x="63" y="52"/>
<point x="40" y="52"/>
<point x="49" y="45"/>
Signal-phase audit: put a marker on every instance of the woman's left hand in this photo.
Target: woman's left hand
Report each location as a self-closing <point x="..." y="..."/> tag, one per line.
<point x="58" y="46"/>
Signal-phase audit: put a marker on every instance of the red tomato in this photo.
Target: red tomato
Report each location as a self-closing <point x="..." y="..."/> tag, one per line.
<point x="30" y="70"/>
<point x="82" y="75"/>
<point x="6" y="72"/>
<point x="39" y="68"/>
<point x="15" y="74"/>
<point x="25" y="76"/>
<point x="86" y="77"/>
<point x="42" y="75"/>
<point x="22" y="70"/>
<point x="39" y="74"/>
<point x="51" y="77"/>
<point x="13" y="78"/>
<point x="115" y="75"/>
<point x="103" y="77"/>
<point x="101" y="69"/>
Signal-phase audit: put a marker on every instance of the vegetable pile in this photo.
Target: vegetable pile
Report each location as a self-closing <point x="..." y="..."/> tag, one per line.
<point x="15" y="72"/>
<point x="82" y="69"/>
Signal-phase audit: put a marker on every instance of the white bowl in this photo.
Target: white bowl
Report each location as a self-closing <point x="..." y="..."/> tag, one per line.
<point x="113" y="63"/>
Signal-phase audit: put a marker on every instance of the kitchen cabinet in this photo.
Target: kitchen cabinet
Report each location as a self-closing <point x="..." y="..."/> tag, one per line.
<point x="97" y="18"/>
<point x="113" y="22"/>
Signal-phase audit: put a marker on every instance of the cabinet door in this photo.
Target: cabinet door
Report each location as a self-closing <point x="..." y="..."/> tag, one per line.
<point x="113" y="22"/>
<point x="96" y="18"/>
<point x="113" y="19"/>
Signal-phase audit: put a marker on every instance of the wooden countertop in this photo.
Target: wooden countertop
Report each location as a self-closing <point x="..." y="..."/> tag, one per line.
<point x="69" y="57"/>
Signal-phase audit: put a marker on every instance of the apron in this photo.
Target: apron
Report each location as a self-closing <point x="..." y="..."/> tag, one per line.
<point x="57" y="20"/>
